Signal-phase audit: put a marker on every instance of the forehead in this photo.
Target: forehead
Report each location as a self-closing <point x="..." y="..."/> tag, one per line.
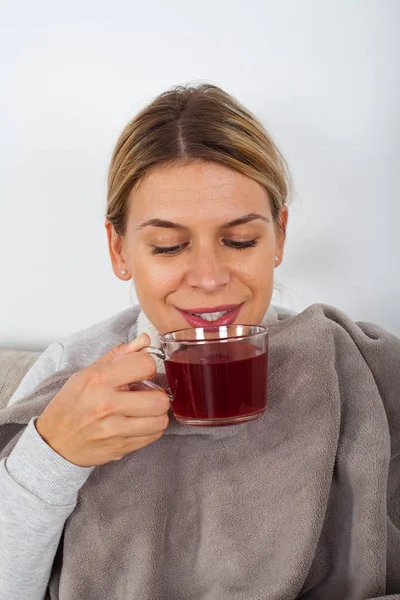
<point x="200" y="191"/>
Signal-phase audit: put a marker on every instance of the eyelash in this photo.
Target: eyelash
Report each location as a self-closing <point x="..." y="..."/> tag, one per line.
<point x="229" y="243"/>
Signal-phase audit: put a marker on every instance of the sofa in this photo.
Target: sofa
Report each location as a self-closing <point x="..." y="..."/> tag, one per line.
<point x="13" y="366"/>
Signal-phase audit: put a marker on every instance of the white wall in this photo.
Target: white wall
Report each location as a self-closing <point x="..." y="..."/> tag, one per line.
<point x="324" y="77"/>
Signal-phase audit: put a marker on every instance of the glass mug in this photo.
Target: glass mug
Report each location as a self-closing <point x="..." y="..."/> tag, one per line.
<point x="216" y="375"/>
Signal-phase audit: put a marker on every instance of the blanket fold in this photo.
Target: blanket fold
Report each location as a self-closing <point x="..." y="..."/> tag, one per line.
<point x="303" y="502"/>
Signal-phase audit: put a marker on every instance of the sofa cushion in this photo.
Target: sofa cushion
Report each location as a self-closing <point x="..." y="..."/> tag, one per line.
<point x="13" y="366"/>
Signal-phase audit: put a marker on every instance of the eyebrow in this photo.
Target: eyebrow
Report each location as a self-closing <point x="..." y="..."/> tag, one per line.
<point x="170" y="225"/>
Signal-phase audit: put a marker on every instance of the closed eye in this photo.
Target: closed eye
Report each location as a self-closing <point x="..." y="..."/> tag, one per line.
<point x="172" y="250"/>
<point x="240" y="245"/>
<point x="168" y="249"/>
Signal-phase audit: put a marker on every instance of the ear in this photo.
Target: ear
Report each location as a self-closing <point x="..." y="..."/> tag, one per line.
<point x="281" y="234"/>
<point x="115" y="248"/>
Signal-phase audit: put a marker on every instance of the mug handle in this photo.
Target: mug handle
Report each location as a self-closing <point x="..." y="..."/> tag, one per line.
<point x="159" y="352"/>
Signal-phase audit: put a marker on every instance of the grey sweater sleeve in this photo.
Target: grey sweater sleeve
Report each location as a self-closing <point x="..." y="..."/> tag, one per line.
<point x="39" y="491"/>
<point x="48" y="362"/>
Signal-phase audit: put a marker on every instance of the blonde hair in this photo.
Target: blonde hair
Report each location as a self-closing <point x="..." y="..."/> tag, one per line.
<point x="189" y="123"/>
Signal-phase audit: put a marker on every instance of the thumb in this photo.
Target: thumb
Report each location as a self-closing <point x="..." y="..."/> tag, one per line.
<point x="138" y="343"/>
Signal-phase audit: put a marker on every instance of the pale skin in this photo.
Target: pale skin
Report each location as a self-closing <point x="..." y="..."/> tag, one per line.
<point x="204" y="269"/>
<point x="95" y="418"/>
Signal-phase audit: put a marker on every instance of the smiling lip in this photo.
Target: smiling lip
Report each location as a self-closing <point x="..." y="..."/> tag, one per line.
<point x="227" y="319"/>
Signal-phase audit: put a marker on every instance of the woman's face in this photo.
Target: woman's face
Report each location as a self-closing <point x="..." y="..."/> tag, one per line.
<point x="199" y="238"/>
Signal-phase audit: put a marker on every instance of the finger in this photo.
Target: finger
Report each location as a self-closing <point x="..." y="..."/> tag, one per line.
<point x="132" y="427"/>
<point x="123" y="370"/>
<point x="133" y="444"/>
<point x="135" y="345"/>
<point x="151" y="403"/>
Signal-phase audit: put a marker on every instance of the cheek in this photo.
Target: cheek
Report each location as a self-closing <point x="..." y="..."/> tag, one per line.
<point x="256" y="270"/>
<point x="154" y="279"/>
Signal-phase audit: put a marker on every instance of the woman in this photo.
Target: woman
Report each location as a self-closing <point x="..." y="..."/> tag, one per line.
<point x="106" y="495"/>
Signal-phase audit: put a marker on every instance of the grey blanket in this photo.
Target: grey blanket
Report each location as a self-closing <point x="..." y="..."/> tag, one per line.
<point x="304" y="502"/>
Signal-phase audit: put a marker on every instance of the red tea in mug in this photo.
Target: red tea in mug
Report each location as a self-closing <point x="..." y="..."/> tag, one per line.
<point x="222" y="380"/>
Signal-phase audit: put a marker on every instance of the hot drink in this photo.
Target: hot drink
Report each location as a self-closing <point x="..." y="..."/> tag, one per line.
<point x="221" y="380"/>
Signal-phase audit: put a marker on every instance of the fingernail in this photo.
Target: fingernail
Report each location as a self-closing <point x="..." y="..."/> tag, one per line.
<point x="136" y="340"/>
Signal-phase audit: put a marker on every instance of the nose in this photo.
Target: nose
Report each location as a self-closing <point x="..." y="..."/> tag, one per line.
<point x="207" y="270"/>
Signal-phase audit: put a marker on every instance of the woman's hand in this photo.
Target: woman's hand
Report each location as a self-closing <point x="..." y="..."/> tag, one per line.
<point x="95" y="419"/>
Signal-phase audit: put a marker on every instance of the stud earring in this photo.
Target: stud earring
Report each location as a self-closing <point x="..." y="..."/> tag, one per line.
<point x="124" y="272"/>
<point x="276" y="259"/>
